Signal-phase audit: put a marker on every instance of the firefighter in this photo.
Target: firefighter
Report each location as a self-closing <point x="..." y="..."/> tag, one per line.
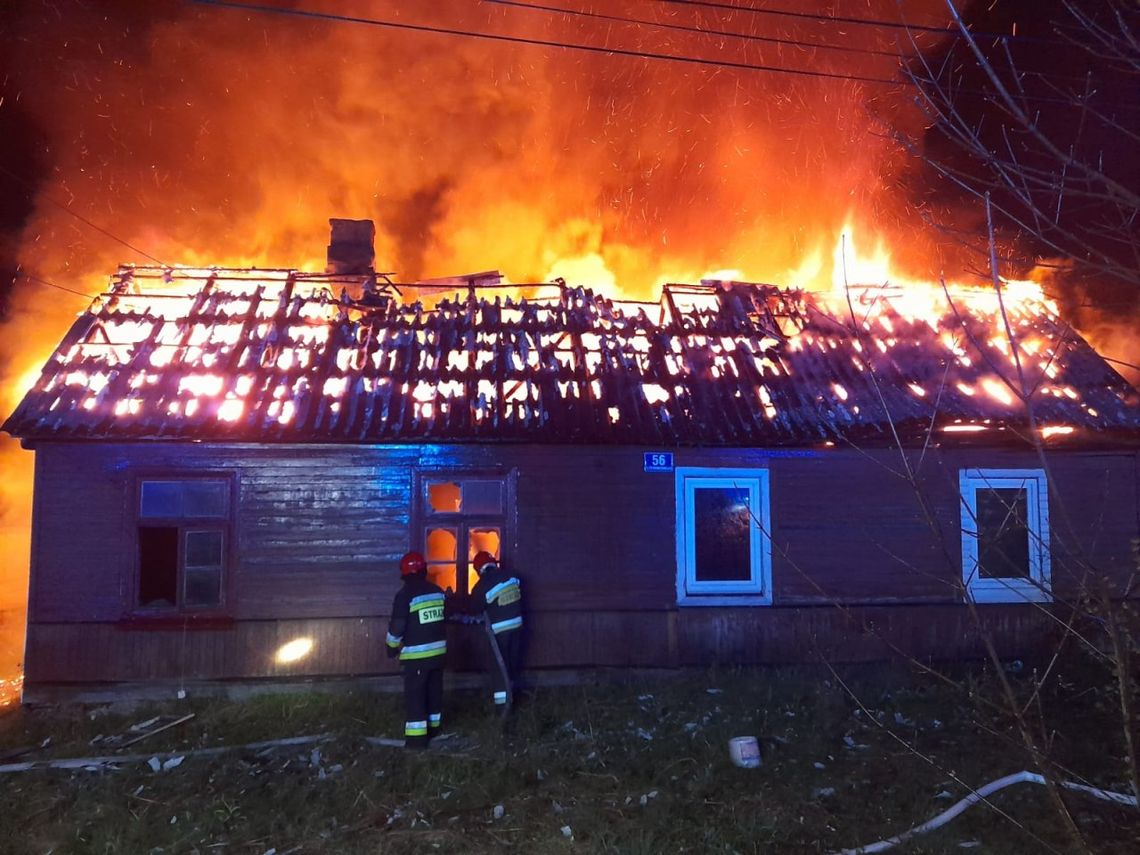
<point x="498" y="594"/>
<point x="416" y="634"/>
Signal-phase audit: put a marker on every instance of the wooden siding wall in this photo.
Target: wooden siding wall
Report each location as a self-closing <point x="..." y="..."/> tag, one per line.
<point x="319" y="529"/>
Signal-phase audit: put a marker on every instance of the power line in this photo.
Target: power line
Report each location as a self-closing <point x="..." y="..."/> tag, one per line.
<point x="80" y="217"/>
<point x="1132" y="365"/>
<point x="608" y="51"/>
<point x="837" y="19"/>
<point x="449" y="31"/>
<point x="698" y="30"/>
<point x="865" y="22"/>
<point x="21" y="274"/>
<point x="889" y="54"/>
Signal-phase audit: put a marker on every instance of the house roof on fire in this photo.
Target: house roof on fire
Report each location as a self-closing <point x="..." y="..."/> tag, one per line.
<point x="284" y="356"/>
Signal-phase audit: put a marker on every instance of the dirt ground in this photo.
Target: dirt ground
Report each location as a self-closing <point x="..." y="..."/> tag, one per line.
<point x="638" y="766"/>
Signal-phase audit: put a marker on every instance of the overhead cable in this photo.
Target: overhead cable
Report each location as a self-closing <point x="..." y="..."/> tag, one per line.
<point x="695" y="30"/>
<point x="20" y="274"/>
<point x="597" y="49"/>
<point x="499" y="37"/>
<point x="80" y="217"/>
<point x="864" y="22"/>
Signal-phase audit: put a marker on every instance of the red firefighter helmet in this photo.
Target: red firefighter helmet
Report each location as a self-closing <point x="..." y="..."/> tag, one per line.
<point x="412" y="563"/>
<point x="482" y="559"/>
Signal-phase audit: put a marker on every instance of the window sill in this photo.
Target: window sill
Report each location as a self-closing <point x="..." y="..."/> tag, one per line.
<point x="161" y="622"/>
<point x="1009" y="594"/>
<point x="722" y="600"/>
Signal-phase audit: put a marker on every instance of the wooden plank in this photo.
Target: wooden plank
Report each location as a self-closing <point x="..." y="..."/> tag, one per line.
<point x="60" y="653"/>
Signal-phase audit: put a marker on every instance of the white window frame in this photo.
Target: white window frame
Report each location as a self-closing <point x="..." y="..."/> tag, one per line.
<point x="1037" y="588"/>
<point x="757" y="589"/>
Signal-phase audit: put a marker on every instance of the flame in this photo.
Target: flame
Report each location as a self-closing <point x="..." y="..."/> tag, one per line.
<point x="997" y="390"/>
<point x="849" y="267"/>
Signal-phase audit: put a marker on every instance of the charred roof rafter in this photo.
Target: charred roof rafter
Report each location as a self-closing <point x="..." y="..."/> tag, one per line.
<point x="275" y="356"/>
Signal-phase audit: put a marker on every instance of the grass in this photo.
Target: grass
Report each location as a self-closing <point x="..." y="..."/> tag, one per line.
<point x="636" y="767"/>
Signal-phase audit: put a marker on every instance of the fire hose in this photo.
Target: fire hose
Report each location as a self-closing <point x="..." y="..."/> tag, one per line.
<point x="494" y="642"/>
<point x="980" y="795"/>
<point x="498" y="654"/>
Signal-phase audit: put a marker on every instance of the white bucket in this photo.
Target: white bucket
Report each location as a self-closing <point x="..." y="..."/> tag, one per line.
<point x="744" y="751"/>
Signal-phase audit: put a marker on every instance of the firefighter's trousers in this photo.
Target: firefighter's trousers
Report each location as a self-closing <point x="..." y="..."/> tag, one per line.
<point x="510" y="645"/>
<point x="423" y="702"/>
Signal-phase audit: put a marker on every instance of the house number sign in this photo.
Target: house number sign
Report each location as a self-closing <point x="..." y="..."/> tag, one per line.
<point x="658" y="461"/>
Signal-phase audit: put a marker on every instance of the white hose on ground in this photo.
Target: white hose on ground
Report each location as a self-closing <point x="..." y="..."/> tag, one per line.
<point x="977" y="796"/>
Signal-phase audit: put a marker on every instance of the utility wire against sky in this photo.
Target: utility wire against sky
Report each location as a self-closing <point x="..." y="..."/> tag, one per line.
<point x="608" y="51"/>
<point x="949" y="31"/>
<point x="695" y="30"/>
<point x="897" y="55"/>
<point x="810" y="16"/>
<point x="21" y="274"/>
<point x="500" y="37"/>
<point x="36" y="194"/>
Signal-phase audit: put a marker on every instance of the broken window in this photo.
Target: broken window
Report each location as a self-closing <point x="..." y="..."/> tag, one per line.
<point x="441" y="553"/>
<point x="1005" y="535"/>
<point x="183" y="528"/>
<point x="723" y="545"/>
<point x="461" y="516"/>
<point x="444" y="497"/>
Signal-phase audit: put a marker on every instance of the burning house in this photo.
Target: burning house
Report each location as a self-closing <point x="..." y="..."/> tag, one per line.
<point x="229" y="464"/>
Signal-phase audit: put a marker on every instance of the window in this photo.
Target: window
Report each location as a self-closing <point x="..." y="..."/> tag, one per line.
<point x="724" y="549"/>
<point x="183" y="529"/>
<point x="461" y="516"/>
<point x="1005" y="535"/>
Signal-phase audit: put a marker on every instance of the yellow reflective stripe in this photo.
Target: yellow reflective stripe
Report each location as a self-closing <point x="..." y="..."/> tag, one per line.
<point x="501" y="587"/>
<point x="424" y="651"/>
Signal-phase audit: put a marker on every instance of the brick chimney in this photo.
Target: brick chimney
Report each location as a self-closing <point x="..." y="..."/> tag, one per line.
<point x="351" y="247"/>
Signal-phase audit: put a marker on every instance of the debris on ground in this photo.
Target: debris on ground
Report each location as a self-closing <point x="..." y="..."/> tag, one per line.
<point x="140" y="730"/>
<point x="114" y="761"/>
<point x="575" y="761"/>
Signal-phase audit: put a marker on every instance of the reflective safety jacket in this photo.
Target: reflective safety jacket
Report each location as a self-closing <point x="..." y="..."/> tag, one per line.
<point x="416" y="629"/>
<point x="499" y="594"/>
